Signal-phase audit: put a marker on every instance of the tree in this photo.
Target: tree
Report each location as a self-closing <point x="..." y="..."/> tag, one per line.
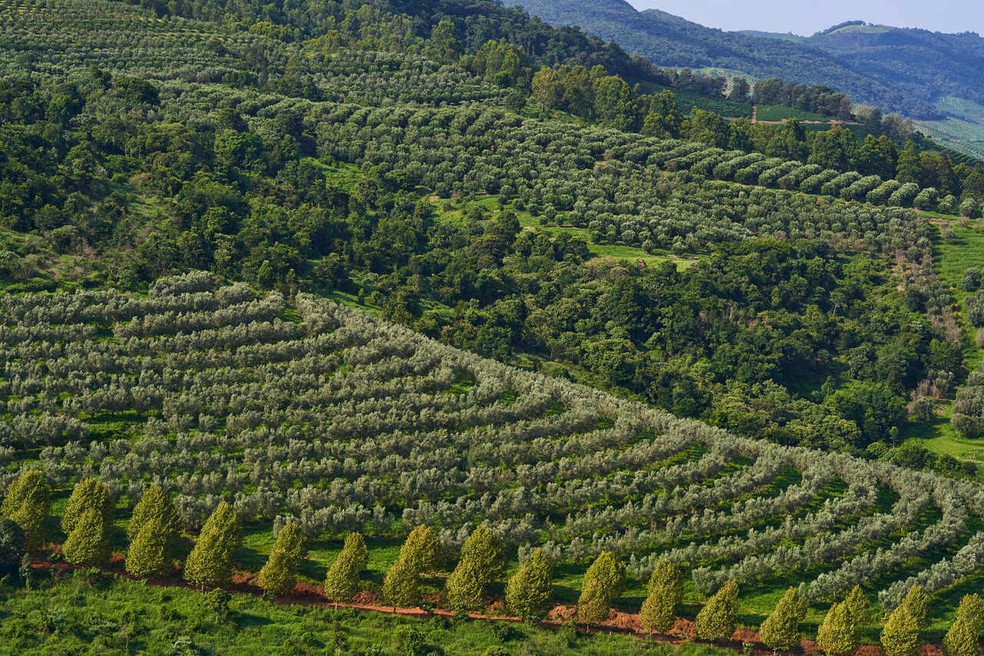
<point x="400" y="585"/>
<point x="342" y="580"/>
<point x="89" y="494"/>
<point x="917" y="601"/>
<point x="900" y="637"/>
<point x="858" y="607"/>
<point x="154" y="503"/>
<point x="11" y="546"/>
<point x="963" y="638"/>
<point x="529" y="591"/>
<point x="465" y="588"/>
<point x="838" y="635"/>
<point x="484" y="549"/>
<point x="88" y="543"/>
<point x="149" y="552"/>
<point x="28" y="503"/>
<point x="210" y="561"/>
<point x="719" y="616"/>
<point x="909" y="166"/>
<point x="610" y="572"/>
<point x="279" y="574"/>
<point x="422" y="550"/>
<point x="780" y="630"/>
<point x="593" y="605"/>
<point x="665" y="592"/>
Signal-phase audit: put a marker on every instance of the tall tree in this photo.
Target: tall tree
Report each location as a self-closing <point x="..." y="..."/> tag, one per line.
<point x="28" y="503"/>
<point x="900" y="636"/>
<point x="465" y="588"/>
<point x="342" y="580"/>
<point x="838" y="636"/>
<point x="401" y="584"/>
<point x="150" y="548"/>
<point x="279" y="574"/>
<point x="665" y="591"/>
<point x="909" y="166"/>
<point x="963" y="638"/>
<point x="529" y="591"/>
<point x="89" y="494"/>
<point x="484" y="549"/>
<point x="154" y="503"/>
<point x="88" y="542"/>
<point x="780" y="630"/>
<point x="210" y="561"/>
<point x="718" y="618"/>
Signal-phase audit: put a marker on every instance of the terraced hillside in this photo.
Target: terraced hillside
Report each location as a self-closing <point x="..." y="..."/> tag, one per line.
<point x="320" y="412"/>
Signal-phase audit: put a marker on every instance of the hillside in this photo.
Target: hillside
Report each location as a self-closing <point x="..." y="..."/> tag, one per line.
<point x="347" y="423"/>
<point x="338" y="268"/>
<point x="900" y="70"/>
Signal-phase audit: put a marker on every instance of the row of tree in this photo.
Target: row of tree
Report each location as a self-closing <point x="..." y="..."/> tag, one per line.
<point x="154" y="527"/>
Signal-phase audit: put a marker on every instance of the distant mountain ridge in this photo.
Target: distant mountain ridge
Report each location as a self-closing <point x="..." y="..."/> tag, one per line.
<point x="898" y="69"/>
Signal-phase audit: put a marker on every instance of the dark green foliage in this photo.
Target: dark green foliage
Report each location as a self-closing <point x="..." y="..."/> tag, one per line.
<point x="528" y="593"/>
<point x="11" y="546"/>
<point x="28" y="503"/>
<point x="780" y="630"/>
<point x="718" y="618"/>
<point x="345" y="573"/>
<point x="210" y="561"/>
<point x="279" y="574"/>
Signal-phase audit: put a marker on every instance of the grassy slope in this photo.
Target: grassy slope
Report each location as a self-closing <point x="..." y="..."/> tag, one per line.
<point x="952" y="256"/>
<point x="102" y="615"/>
<point x="962" y="130"/>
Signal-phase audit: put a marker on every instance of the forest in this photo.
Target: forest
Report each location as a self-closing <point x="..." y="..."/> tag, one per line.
<point x="203" y="203"/>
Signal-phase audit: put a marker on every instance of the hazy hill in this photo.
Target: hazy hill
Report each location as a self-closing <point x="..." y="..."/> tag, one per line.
<point x="914" y="72"/>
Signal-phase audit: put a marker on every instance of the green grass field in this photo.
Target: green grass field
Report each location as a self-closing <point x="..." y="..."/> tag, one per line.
<point x="86" y="613"/>
<point x="781" y="113"/>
